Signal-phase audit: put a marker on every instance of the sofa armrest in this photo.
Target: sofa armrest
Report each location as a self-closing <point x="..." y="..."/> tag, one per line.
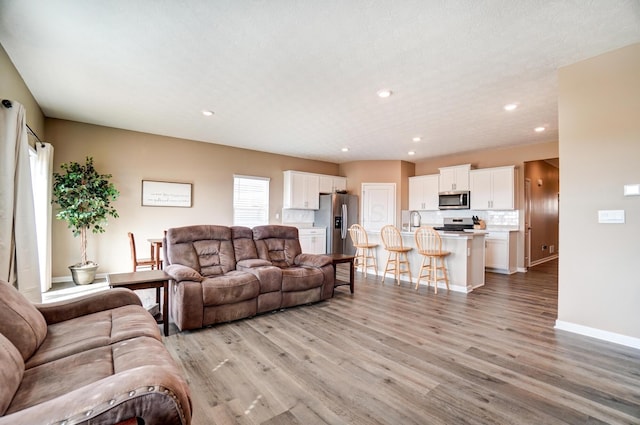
<point x="312" y="260"/>
<point x="105" y="300"/>
<point x="156" y="394"/>
<point x="179" y="273"/>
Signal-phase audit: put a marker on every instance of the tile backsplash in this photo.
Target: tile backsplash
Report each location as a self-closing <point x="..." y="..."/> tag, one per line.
<point x="492" y="218"/>
<point x="296" y="217"/>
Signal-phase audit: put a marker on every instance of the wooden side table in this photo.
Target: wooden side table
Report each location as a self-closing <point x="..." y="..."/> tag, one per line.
<point x="145" y="279"/>
<point x="340" y="259"/>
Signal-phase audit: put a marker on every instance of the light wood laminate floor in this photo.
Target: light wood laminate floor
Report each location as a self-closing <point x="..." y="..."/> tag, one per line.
<point x="391" y="355"/>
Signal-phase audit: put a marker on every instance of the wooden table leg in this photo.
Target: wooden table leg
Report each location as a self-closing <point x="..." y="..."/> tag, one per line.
<point x="351" y="272"/>
<point x="165" y="308"/>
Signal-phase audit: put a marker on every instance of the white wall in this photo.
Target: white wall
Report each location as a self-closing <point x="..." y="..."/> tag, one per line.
<point x="599" y="117"/>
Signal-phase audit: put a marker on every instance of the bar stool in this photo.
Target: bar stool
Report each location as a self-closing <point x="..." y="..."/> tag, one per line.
<point x="429" y="246"/>
<point x="397" y="256"/>
<point x="141" y="262"/>
<point x="365" y="251"/>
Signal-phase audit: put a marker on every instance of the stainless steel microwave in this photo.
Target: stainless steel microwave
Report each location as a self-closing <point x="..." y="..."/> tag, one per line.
<point x="460" y="200"/>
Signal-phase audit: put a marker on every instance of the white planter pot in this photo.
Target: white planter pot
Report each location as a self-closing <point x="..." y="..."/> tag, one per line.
<point x="83" y="275"/>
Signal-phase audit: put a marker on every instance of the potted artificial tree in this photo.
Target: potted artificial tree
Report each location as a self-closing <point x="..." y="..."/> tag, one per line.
<point x="84" y="197"/>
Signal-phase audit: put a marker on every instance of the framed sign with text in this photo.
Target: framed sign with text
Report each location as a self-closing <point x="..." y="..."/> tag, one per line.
<point x="166" y="194"/>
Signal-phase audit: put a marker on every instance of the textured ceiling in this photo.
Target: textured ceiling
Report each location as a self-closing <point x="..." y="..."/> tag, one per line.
<point x="299" y="77"/>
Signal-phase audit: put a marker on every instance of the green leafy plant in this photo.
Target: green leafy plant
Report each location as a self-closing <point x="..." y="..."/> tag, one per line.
<point x="85" y="198"/>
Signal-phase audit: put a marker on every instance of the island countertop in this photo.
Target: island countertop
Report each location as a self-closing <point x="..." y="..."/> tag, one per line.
<point x="465" y="263"/>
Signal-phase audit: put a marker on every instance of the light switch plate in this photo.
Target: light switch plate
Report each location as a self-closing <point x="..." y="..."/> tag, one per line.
<point x="632" y="190"/>
<point x="611" y="216"/>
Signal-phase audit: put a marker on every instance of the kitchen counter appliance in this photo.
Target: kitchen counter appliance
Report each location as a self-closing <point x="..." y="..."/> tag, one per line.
<point x="451" y="224"/>
<point x="460" y="200"/>
<point x="337" y="213"/>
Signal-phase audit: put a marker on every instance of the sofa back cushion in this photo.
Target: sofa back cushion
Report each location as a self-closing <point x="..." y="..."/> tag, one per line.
<point x="11" y="372"/>
<point x="277" y="244"/>
<point x="243" y="245"/>
<point x="205" y="248"/>
<point x="20" y="321"/>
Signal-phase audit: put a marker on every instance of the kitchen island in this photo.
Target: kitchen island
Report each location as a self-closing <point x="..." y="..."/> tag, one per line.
<point x="465" y="264"/>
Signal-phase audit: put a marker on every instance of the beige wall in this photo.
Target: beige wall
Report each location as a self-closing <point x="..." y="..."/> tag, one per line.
<point x="398" y="172"/>
<point x="12" y="87"/>
<point x="131" y="157"/>
<point x="599" y="117"/>
<point x="545" y="179"/>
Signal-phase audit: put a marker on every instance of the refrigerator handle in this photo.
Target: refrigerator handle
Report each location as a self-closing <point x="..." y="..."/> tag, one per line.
<point x="343" y="229"/>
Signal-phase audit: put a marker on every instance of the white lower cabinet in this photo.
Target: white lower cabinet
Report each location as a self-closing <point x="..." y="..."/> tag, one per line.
<point x="313" y="241"/>
<point x="501" y="250"/>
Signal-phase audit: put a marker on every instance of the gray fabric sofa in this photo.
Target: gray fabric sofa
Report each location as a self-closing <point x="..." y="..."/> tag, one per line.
<point x="221" y="273"/>
<point x="97" y="359"/>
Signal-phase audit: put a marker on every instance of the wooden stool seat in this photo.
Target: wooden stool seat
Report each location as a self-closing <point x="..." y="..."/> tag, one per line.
<point x="397" y="253"/>
<point x="365" y="257"/>
<point x="429" y="246"/>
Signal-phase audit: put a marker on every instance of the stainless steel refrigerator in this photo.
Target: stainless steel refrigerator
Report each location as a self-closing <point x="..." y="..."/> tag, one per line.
<point x="337" y="213"/>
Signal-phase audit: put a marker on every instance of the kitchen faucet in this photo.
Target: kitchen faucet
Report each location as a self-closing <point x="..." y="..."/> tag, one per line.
<point x="411" y="221"/>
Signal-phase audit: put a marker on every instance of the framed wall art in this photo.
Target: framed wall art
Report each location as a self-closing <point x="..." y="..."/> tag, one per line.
<point x="166" y="194"/>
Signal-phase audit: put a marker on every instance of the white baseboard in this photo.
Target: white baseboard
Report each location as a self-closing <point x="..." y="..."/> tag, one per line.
<point x="598" y="334"/>
<point x="544" y="260"/>
<point x="522" y="269"/>
<point x="62" y="279"/>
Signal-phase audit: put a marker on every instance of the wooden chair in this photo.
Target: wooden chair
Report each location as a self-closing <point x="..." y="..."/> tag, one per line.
<point x="429" y="245"/>
<point x="140" y="262"/>
<point x="397" y="256"/>
<point x="365" y="251"/>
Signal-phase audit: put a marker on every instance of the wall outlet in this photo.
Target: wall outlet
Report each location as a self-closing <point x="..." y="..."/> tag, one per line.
<point x="552" y="249"/>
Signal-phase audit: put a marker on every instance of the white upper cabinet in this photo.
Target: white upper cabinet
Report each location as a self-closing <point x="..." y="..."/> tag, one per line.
<point x="331" y="184"/>
<point x="454" y="178"/>
<point x="301" y="190"/>
<point x="423" y="192"/>
<point x="492" y="188"/>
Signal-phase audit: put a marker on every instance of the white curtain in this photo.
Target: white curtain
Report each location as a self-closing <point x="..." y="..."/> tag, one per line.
<point x="41" y="180"/>
<point x="18" y="246"/>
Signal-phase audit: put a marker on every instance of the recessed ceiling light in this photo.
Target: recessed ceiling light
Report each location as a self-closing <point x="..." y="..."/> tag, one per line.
<point x="207" y="113"/>
<point x="345" y="149"/>
<point x="417" y="139"/>
<point x="411" y="153"/>
<point x="510" y="106"/>
<point x="539" y="129"/>
<point x="384" y="93"/>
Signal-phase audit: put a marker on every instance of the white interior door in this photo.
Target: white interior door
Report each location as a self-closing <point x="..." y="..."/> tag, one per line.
<point x="378" y="205"/>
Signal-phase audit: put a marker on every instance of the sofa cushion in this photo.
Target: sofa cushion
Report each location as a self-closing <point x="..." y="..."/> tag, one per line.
<point x="270" y="278"/>
<point x="301" y="278"/>
<point x="205" y="248"/>
<point x="20" y="321"/>
<point x="70" y="374"/>
<point x="230" y="288"/>
<point x="278" y="244"/>
<point x="10" y="373"/>
<point x="94" y="330"/>
<point x="243" y="245"/>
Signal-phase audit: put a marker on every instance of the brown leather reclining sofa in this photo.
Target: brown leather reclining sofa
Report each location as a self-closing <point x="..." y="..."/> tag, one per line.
<point x="224" y="273"/>
<point x="97" y="359"/>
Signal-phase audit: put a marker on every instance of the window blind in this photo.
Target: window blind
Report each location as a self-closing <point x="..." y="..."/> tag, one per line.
<point x="250" y="201"/>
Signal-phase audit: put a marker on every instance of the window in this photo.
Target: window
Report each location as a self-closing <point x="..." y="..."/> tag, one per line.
<point x="250" y="201"/>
